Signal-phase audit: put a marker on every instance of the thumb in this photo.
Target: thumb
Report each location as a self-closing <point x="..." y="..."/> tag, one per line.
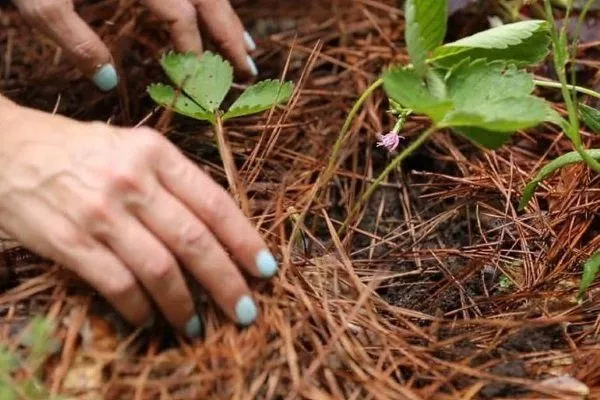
<point x="59" y="21"/>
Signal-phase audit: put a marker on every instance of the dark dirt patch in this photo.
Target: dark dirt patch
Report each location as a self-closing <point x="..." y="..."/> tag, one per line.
<point x="514" y="369"/>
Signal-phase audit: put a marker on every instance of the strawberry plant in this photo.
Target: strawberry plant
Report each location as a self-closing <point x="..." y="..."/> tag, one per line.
<point x="477" y="87"/>
<point x="201" y="85"/>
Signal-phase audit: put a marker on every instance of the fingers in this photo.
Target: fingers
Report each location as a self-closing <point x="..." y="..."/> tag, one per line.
<point x="52" y="235"/>
<point x="214" y="207"/>
<point x="197" y="248"/>
<point x="225" y="27"/>
<point x="58" y="20"/>
<point x="181" y="17"/>
<point x="157" y="270"/>
<point x="100" y="267"/>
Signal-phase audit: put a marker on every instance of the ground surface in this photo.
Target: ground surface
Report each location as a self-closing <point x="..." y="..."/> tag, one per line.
<point x="441" y="290"/>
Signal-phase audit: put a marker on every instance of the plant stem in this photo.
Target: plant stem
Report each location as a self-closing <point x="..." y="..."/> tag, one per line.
<point x="391" y="166"/>
<point x="571" y="108"/>
<point x="342" y="136"/>
<point x="558" y="85"/>
<point x="328" y="171"/>
<point x="229" y="166"/>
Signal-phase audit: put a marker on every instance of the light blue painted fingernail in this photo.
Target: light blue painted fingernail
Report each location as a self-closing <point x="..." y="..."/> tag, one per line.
<point x="193" y="328"/>
<point x="249" y="41"/>
<point x="106" y="78"/>
<point x="266" y="263"/>
<point x="252" y="66"/>
<point x="245" y="310"/>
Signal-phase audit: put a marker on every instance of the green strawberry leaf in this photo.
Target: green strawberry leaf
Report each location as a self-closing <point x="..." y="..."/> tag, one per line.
<point x="495" y="139"/>
<point x="489" y="139"/>
<point x="405" y="86"/>
<point x="483" y="101"/>
<point x="590" y="271"/>
<point x="425" y="29"/>
<point x="436" y="83"/>
<point x="260" y="97"/>
<point x="572" y="157"/>
<point x="206" y="80"/>
<point x="591" y="117"/>
<point x="179" y="67"/>
<point x="520" y="43"/>
<point x="499" y="115"/>
<point x="472" y="83"/>
<point x="166" y="96"/>
<point x="489" y="99"/>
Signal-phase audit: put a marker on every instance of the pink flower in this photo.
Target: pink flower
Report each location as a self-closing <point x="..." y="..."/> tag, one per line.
<point x="390" y="141"/>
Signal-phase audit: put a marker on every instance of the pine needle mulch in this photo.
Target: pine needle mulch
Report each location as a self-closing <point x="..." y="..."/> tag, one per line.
<point x="441" y="289"/>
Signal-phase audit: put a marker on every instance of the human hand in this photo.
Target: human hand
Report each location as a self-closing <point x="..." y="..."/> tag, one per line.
<point x="59" y="21"/>
<point x="119" y="207"/>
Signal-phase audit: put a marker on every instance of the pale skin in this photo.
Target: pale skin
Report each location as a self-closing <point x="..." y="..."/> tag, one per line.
<point x="123" y="208"/>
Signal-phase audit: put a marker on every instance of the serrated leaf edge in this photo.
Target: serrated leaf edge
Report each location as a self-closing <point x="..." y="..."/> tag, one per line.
<point x="260" y="106"/>
<point x="208" y="117"/>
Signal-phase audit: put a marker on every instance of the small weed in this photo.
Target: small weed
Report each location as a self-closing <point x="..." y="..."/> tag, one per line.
<point x="39" y="345"/>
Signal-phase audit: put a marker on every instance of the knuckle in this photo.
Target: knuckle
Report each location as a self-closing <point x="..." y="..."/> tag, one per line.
<point x="66" y="237"/>
<point x="186" y="15"/>
<point x="123" y="179"/>
<point x="122" y="287"/>
<point x="86" y="49"/>
<point x="215" y="203"/>
<point x="194" y="237"/>
<point x="161" y="268"/>
<point x="148" y="141"/>
<point x="97" y="210"/>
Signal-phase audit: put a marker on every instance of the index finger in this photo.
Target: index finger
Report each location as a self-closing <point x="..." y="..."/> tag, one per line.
<point x="218" y="211"/>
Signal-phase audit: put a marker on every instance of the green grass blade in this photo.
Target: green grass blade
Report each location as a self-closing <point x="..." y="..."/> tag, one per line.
<point x="560" y="162"/>
<point x="591" y="117"/>
<point x="590" y="270"/>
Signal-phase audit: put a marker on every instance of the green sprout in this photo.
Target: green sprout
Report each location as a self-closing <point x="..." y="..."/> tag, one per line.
<point x="38" y="339"/>
<point x="201" y="85"/>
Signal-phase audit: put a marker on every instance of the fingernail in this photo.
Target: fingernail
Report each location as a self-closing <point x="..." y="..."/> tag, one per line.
<point x="246" y="311"/>
<point x="252" y="66"/>
<point x="249" y="41"/>
<point x="194" y="327"/>
<point x="106" y="78"/>
<point x="266" y="263"/>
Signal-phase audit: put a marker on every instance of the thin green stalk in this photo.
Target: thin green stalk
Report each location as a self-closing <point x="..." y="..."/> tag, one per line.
<point x="342" y="136"/>
<point x="326" y="174"/>
<point x="391" y="166"/>
<point x="573" y="117"/>
<point x="558" y="85"/>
